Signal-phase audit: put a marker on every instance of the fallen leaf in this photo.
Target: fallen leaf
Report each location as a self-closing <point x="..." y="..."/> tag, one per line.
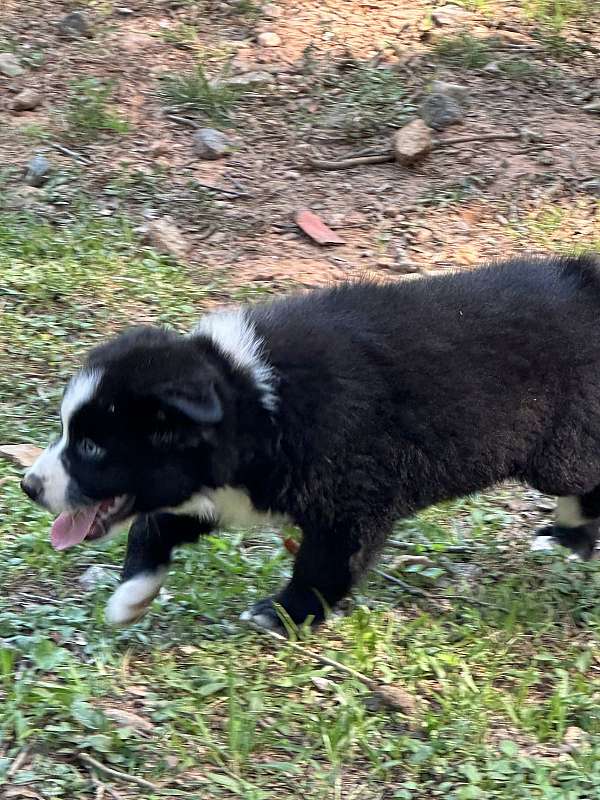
<point x="23" y="455"/>
<point x="316" y="228"/>
<point x="395" y="698"/>
<point x="128" y="719"/>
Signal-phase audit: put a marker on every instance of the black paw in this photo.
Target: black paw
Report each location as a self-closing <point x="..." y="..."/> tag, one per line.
<point x="265" y="615"/>
<point x="580" y="541"/>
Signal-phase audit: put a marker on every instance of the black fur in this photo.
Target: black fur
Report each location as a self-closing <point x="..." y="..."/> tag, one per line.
<point x="390" y="398"/>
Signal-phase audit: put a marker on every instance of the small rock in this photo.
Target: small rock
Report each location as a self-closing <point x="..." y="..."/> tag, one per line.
<point x="124" y="11"/>
<point x="449" y="15"/>
<point x="575" y="739"/>
<point x="160" y="148"/>
<point x="455" y="90"/>
<point x="412" y="142"/>
<point x="9" y="65"/>
<point x="440" y="111"/>
<point x="75" y="24"/>
<point x="269" y="39"/>
<point x="93" y="576"/>
<point x="246" y="79"/>
<point x="593" y="107"/>
<point x="27" y="100"/>
<point x="323" y="684"/>
<point x="166" y="237"/>
<point x="271" y="11"/>
<point x="493" y="68"/>
<point x="210" y="144"/>
<point x="38" y="171"/>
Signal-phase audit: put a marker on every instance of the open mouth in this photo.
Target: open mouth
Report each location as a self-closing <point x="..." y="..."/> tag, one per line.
<point x="89" y="523"/>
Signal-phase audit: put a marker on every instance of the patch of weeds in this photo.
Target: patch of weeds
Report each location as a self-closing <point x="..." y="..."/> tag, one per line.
<point x="34" y="132"/>
<point x="194" y="91"/>
<point x="520" y="69"/>
<point x="558" y="46"/>
<point x="182" y="35"/>
<point x="363" y="100"/>
<point x="246" y="8"/>
<point x="481" y="6"/>
<point x="89" y="111"/>
<point x="565" y="229"/>
<point x="452" y="192"/>
<point x="555" y="13"/>
<point x="464" y="50"/>
<point x="135" y="187"/>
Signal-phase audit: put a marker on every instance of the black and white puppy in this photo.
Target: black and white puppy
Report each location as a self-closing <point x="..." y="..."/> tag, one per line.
<point x="340" y="410"/>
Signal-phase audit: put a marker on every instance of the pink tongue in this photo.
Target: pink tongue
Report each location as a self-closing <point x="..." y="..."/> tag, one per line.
<point x="71" y="529"/>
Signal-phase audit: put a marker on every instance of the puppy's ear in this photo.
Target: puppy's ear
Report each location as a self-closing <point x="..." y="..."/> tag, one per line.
<point x="201" y="406"/>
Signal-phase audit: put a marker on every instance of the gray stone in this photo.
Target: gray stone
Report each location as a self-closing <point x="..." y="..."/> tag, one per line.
<point x="210" y="144"/>
<point x="440" y="111"/>
<point x="75" y="24"/>
<point x="412" y="142"/>
<point x="9" y="65"/>
<point x="27" y="100"/>
<point x="454" y="90"/>
<point x="38" y="171"/>
<point x="166" y="237"/>
<point x="593" y="107"/>
<point x="93" y="576"/>
<point x="249" y="79"/>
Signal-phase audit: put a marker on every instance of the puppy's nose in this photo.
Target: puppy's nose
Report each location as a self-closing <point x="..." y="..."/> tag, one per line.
<point x="33" y="487"/>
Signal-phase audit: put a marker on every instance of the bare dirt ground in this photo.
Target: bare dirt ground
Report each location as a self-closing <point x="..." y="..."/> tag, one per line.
<point x="460" y="205"/>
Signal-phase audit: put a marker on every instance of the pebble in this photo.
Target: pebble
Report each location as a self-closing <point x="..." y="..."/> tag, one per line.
<point x="455" y="90"/>
<point x="422" y="235"/>
<point x="9" y="65"/>
<point x="440" y="111"/>
<point x="271" y="11"/>
<point x="27" y="100"/>
<point x="210" y="144"/>
<point x="38" y="171"/>
<point x="92" y="577"/>
<point x="166" y="237"/>
<point x="269" y="39"/>
<point x="576" y="739"/>
<point x="75" y="24"/>
<point x="412" y="142"/>
<point x="593" y="107"/>
<point x="254" y="78"/>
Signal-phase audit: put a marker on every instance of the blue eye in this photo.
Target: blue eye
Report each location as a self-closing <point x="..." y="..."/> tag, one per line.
<point x="89" y="449"/>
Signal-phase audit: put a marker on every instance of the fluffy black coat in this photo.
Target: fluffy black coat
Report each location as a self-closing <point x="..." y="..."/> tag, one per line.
<point x="389" y="398"/>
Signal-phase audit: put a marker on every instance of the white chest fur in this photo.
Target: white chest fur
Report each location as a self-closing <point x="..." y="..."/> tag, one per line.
<point x="230" y="508"/>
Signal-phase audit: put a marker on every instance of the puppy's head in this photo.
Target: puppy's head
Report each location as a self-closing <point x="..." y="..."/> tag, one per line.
<point x="144" y="427"/>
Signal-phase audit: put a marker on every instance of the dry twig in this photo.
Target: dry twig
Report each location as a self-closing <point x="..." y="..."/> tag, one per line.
<point x="16" y="765"/>
<point x="115" y="773"/>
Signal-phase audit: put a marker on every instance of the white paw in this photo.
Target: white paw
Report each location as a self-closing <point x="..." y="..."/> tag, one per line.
<point x="543" y="543"/>
<point x="132" y="598"/>
<point x="261" y="620"/>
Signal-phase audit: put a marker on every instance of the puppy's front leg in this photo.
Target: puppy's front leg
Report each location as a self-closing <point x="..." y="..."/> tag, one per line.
<point x="151" y="540"/>
<point x="326" y="567"/>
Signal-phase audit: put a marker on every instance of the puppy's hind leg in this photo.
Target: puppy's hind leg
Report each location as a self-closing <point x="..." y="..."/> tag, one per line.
<point x="576" y="526"/>
<point x="151" y="540"/>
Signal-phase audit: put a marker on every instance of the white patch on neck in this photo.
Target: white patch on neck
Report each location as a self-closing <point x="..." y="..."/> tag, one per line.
<point x="229" y="508"/>
<point x="568" y="512"/>
<point x="235" y="336"/>
<point x="49" y="467"/>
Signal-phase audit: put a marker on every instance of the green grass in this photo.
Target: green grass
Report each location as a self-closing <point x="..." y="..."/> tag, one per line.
<point x="464" y="50"/>
<point x="193" y="91"/>
<point x="362" y="100"/>
<point x="555" y="13"/>
<point x="89" y="111"/>
<point x="501" y="671"/>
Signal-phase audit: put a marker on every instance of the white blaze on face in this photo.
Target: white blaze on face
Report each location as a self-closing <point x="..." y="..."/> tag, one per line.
<point x="49" y="467"/>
